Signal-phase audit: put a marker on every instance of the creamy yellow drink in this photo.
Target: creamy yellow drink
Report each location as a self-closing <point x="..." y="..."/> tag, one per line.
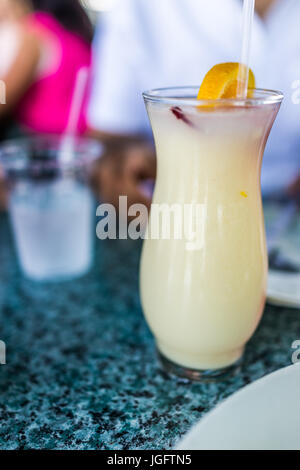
<point x="203" y="301"/>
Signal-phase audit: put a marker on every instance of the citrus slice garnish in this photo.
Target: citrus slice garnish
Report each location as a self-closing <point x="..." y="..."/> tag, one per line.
<point x="221" y="82"/>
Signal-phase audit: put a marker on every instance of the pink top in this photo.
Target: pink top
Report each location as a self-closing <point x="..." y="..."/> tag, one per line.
<point x="46" y="105"/>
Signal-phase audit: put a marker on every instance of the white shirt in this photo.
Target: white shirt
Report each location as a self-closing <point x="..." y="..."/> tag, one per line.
<point x="145" y="44"/>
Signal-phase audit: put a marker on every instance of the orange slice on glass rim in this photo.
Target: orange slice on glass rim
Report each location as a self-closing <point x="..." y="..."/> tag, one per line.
<point x="221" y="82"/>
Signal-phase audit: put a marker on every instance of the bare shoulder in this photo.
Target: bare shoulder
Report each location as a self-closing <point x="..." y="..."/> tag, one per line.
<point x="22" y="71"/>
<point x="30" y="39"/>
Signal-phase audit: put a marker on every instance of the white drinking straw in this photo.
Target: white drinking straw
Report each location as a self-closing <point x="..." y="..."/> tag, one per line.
<point x="77" y="100"/>
<point x="243" y="75"/>
<point x="68" y="141"/>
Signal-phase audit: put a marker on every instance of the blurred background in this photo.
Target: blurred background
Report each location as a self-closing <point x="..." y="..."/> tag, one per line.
<point x="73" y="132"/>
<point x="125" y="45"/>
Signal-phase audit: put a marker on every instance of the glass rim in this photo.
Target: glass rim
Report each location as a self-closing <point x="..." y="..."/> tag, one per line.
<point x="42" y="152"/>
<point x="46" y="138"/>
<point x="168" y="96"/>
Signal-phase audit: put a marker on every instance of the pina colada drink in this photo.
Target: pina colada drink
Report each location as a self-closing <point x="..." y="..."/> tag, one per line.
<point x="204" y="300"/>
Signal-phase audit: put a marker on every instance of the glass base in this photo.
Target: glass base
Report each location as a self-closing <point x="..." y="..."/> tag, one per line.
<point x="194" y="375"/>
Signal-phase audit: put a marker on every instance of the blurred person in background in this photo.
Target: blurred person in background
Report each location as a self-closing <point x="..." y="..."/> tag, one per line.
<point x="43" y="45"/>
<point x="151" y="44"/>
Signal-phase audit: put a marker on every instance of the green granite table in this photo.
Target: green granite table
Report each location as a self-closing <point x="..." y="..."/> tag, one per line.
<point x="81" y="367"/>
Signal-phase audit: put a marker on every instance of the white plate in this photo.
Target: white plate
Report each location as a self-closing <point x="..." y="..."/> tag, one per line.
<point x="262" y="416"/>
<point x="284" y="289"/>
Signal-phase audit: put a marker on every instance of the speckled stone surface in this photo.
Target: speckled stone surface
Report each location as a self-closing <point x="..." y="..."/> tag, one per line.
<point x="81" y="367"/>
